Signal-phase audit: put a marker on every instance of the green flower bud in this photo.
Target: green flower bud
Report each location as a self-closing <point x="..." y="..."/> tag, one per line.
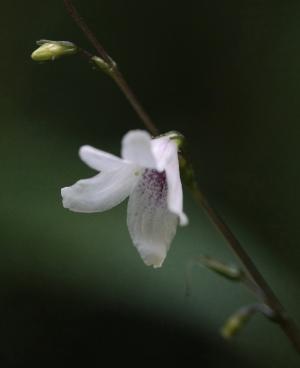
<point x="230" y="272"/>
<point x="239" y="319"/>
<point x="103" y="65"/>
<point x="52" y="50"/>
<point x="235" y="323"/>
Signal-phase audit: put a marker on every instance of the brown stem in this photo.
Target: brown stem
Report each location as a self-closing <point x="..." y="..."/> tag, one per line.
<point x="115" y="73"/>
<point x="124" y="87"/>
<point x="86" y="30"/>
<point x="266" y="293"/>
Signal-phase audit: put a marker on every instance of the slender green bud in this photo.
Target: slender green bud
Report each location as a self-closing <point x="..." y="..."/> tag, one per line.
<point x="103" y="65"/>
<point x="239" y="319"/>
<point x="236" y="322"/>
<point x="230" y="272"/>
<point x="52" y="50"/>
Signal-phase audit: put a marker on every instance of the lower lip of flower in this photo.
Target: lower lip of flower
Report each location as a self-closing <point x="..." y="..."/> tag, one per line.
<point x="155" y="183"/>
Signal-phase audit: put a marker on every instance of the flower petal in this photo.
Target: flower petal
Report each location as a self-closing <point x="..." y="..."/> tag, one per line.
<point x="99" y="160"/>
<point x="150" y="223"/>
<point x="175" y="195"/>
<point x="137" y="148"/>
<point x="100" y="192"/>
<point x="163" y="150"/>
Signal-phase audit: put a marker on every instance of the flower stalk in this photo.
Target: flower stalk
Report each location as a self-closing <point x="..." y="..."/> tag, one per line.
<point x="264" y="292"/>
<point x="262" y="289"/>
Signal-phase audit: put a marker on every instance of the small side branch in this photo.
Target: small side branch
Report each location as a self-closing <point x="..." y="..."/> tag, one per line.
<point x="264" y="291"/>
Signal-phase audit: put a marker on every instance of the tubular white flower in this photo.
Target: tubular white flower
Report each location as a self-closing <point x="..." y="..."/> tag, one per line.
<point x="148" y="173"/>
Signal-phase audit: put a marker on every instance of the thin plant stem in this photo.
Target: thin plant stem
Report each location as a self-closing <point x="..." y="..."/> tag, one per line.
<point x="124" y="87"/>
<point x="264" y="292"/>
<point x="86" y="30"/>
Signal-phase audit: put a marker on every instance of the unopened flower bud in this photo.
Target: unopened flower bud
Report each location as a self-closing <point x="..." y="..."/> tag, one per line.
<point x="103" y="65"/>
<point x="240" y="318"/>
<point x="235" y="323"/>
<point x="230" y="272"/>
<point x="52" y="50"/>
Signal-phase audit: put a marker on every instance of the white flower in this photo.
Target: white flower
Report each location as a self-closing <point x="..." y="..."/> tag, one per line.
<point x="148" y="173"/>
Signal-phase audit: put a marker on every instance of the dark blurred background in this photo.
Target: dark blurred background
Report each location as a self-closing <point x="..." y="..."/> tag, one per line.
<point x="224" y="73"/>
